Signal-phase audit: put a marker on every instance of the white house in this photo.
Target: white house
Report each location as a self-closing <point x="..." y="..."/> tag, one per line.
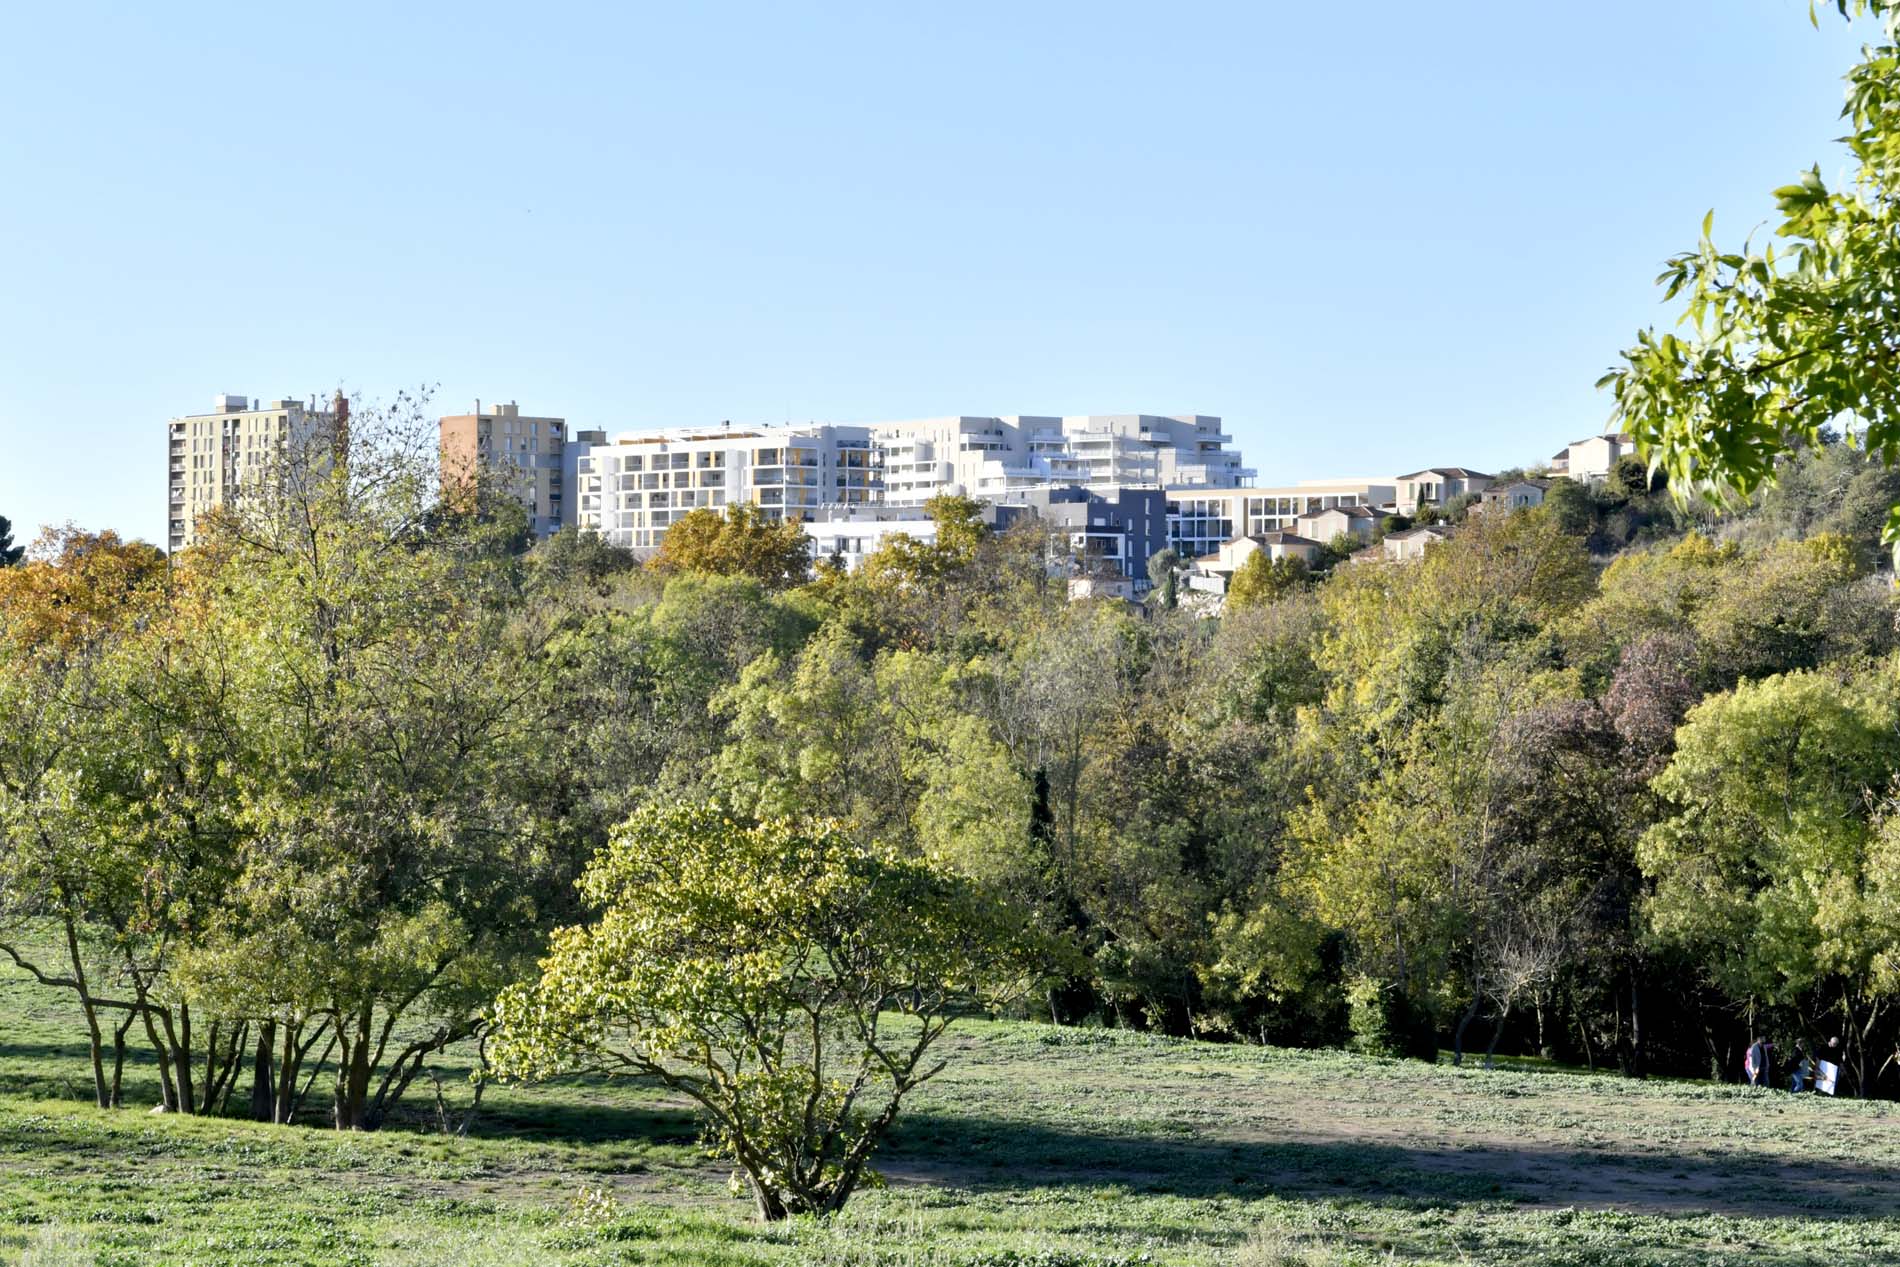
<point x="1590" y="459"/>
<point x="1211" y="573"/>
<point x="1437" y="485"/>
<point x="1515" y="494"/>
<point x="1357" y="522"/>
<point x="1413" y="542"/>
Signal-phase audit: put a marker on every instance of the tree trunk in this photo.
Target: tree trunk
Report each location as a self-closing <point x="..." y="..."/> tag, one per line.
<point x="770" y="1205"/>
<point x="178" y="1040"/>
<point x="296" y="1104"/>
<point x="118" y="1055"/>
<point x="1464" y="1023"/>
<point x="221" y="1067"/>
<point x="167" y="1090"/>
<point x="1583" y="1032"/>
<point x="352" y="1076"/>
<point x="210" y="1082"/>
<point x="287" y="1075"/>
<point x="101" y="1093"/>
<point x="1497" y="1032"/>
<point x="1636" y="1027"/>
<point x="263" y="1076"/>
<point x="233" y="1056"/>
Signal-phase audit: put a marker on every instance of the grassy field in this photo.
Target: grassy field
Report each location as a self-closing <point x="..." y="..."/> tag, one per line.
<point x="1038" y="1148"/>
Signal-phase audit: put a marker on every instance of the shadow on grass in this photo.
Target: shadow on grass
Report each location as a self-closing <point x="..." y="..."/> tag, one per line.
<point x="982" y="1154"/>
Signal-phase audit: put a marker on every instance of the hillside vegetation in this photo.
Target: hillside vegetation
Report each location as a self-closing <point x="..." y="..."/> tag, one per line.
<point x="282" y="819"/>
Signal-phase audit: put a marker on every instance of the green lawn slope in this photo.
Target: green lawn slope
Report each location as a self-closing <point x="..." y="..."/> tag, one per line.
<point x="1038" y="1147"/>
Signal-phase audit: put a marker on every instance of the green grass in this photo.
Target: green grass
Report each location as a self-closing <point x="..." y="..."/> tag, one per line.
<point x="1037" y="1148"/>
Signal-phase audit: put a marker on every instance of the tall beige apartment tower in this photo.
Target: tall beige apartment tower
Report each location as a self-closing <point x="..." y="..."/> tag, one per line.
<point x="525" y="451"/>
<point x="211" y="459"/>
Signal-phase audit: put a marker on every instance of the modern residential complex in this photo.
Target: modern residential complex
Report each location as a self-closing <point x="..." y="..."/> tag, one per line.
<point x="1107" y="536"/>
<point x="848" y="479"/>
<point x="525" y="451"/>
<point x="211" y="459"/>
<point x="990" y="456"/>
<point x="1118" y="487"/>
<point x="631" y="489"/>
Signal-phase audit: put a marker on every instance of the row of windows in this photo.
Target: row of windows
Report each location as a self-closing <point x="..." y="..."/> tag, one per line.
<point x="667" y="479"/>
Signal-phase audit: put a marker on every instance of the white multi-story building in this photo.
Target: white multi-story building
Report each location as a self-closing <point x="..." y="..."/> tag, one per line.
<point x="989" y="457"/>
<point x="1102" y="536"/>
<point x="631" y="489"/>
<point x="849" y="535"/>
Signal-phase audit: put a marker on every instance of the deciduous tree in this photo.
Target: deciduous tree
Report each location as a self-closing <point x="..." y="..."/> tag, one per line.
<point x="742" y="541"/>
<point x="790" y="980"/>
<point x="1779" y="341"/>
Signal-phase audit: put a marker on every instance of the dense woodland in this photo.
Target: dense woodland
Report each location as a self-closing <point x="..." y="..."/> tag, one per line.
<point x="1607" y="779"/>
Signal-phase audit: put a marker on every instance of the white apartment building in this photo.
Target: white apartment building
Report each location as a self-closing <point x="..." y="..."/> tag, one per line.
<point x="631" y="489"/>
<point x="211" y="459"/>
<point x="988" y="457"/>
<point x="851" y="535"/>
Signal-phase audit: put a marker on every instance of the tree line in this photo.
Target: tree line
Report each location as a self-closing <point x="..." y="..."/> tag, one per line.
<point x="311" y="795"/>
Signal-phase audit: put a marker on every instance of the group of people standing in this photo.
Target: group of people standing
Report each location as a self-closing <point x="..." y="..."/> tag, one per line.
<point x="1810" y="1073"/>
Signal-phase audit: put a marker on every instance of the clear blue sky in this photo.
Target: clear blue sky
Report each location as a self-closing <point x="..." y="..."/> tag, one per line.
<point x="1372" y="236"/>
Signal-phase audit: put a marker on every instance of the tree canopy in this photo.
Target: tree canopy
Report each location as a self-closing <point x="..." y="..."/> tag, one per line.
<point x="1781" y="340"/>
<point x="742" y="541"/>
<point x="790" y="980"/>
<point x="10" y="553"/>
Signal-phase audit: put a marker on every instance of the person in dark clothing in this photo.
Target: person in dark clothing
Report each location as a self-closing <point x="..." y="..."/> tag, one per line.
<point x="1755" y="1063"/>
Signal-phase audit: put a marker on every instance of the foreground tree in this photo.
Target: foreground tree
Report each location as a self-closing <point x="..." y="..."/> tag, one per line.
<point x="72" y="857"/>
<point x="1782" y="344"/>
<point x="385" y="690"/>
<point x="793" y="983"/>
